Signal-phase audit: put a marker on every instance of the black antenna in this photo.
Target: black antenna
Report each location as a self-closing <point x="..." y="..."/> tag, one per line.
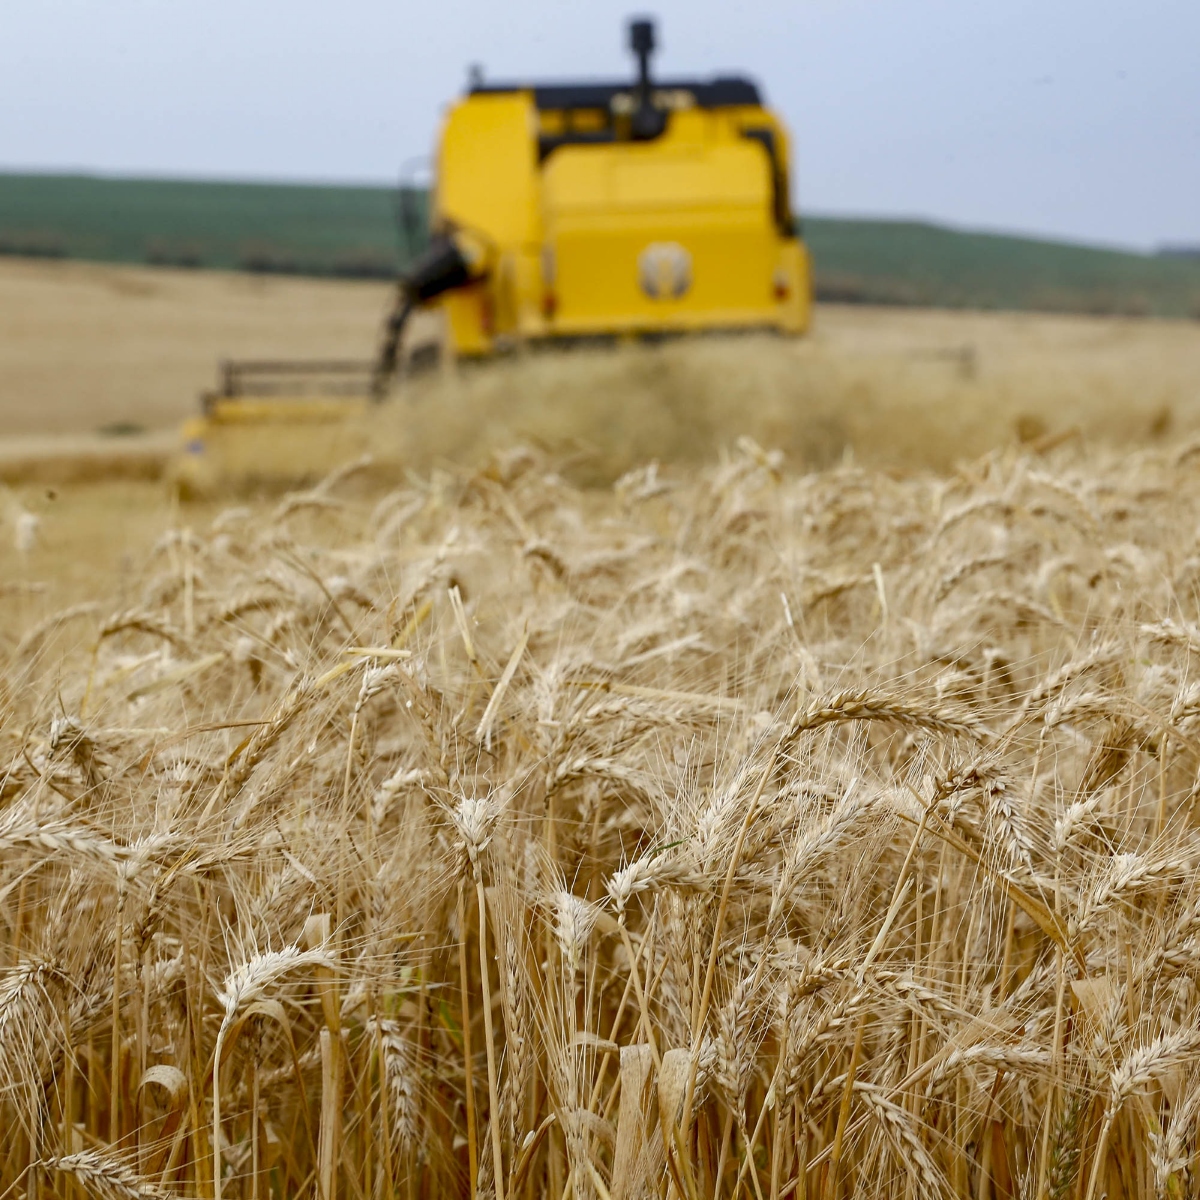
<point x="646" y="121"/>
<point x="641" y="42"/>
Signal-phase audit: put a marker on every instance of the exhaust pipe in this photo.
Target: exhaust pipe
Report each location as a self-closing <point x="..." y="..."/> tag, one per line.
<point x="647" y="122"/>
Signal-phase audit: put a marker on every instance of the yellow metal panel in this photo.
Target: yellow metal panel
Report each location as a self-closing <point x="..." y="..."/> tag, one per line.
<point x="598" y="237"/>
<point x="601" y="275"/>
<point x="617" y="214"/>
<point x="672" y="176"/>
<point x="487" y="183"/>
<point x="487" y="168"/>
<point x="468" y="318"/>
<point x="795" y="271"/>
<point x="531" y="288"/>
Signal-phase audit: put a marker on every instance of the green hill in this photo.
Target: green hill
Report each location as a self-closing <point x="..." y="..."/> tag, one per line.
<point x="291" y="228"/>
<point x="355" y="231"/>
<point x="911" y="262"/>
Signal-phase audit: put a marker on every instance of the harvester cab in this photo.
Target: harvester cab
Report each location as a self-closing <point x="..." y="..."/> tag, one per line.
<point x="559" y="212"/>
<point x="564" y="211"/>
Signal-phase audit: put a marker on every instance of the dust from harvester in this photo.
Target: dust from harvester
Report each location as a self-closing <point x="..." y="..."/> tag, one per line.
<point x="734" y="831"/>
<point x="908" y="391"/>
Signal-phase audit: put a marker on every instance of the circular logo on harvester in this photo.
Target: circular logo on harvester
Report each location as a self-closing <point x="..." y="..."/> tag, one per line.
<point x="665" y="270"/>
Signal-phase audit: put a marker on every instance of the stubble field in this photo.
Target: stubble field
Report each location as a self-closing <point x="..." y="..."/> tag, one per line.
<point x="727" y="829"/>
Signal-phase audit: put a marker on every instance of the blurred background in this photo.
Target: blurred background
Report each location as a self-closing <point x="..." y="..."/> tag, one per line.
<point x="1073" y="119"/>
<point x="1000" y="203"/>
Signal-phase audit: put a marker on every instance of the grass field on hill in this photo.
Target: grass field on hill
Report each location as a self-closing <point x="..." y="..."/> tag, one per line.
<point x="354" y="231"/>
<point x="272" y="228"/>
<point x="918" y="263"/>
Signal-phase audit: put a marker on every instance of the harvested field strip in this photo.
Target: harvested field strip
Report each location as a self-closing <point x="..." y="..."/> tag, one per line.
<point x="725" y="831"/>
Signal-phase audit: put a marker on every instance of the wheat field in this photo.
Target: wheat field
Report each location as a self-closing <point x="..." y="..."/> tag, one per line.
<point x="725" y="831"/>
<point x="92" y="347"/>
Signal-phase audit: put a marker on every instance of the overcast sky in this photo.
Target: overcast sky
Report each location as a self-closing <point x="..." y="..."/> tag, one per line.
<point x="1076" y="118"/>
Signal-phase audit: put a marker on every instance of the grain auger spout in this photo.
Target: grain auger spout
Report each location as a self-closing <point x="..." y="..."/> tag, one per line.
<point x="453" y="259"/>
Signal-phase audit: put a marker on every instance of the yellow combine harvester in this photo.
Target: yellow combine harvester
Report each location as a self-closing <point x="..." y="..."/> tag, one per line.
<point x="562" y="212"/>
